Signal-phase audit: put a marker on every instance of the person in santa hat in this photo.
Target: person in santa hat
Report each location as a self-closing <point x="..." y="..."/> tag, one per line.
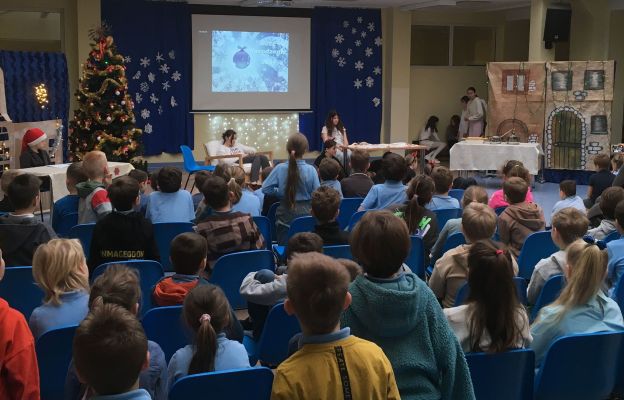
<point x="34" y="149"/>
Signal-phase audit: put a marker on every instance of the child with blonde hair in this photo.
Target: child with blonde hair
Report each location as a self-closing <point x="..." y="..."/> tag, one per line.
<point x="60" y="270"/>
<point x="244" y="200"/>
<point x="94" y="202"/>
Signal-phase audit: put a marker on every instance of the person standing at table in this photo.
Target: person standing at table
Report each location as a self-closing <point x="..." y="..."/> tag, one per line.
<point x="33" y="149"/>
<point x="463" y="121"/>
<point x="476" y="113"/>
<point x="334" y="129"/>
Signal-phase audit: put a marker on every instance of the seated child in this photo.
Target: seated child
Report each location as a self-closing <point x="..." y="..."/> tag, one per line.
<point x="608" y="201"/>
<point x="567" y="194"/>
<point x="207" y="313"/>
<point x="568" y="226"/>
<point x="329" y="152"/>
<point x="396" y="310"/>
<point x="198" y="198"/>
<point x="120" y="285"/>
<point x="358" y="184"/>
<point x="34" y="149"/>
<point x="60" y="270"/>
<point x="464" y="183"/>
<point x="325" y="208"/>
<point x="451" y="270"/>
<point x="615" y="250"/>
<point x="258" y="192"/>
<point x="520" y="218"/>
<point x="170" y="203"/>
<point x="19" y="373"/>
<point x="511" y="169"/>
<point x="244" y="200"/>
<point x="473" y="194"/>
<point x="110" y="351"/>
<point x="317" y="295"/>
<point x="582" y="307"/>
<point x="443" y="180"/>
<point x="141" y="177"/>
<point x="68" y="204"/>
<point x="492" y="305"/>
<point x="598" y="182"/>
<point x="124" y="234"/>
<point x="20" y="231"/>
<point x="329" y="172"/>
<point x="225" y="230"/>
<point x="264" y="289"/>
<point x="392" y="191"/>
<point x="7" y="177"/>
<point x="94" y="202"/>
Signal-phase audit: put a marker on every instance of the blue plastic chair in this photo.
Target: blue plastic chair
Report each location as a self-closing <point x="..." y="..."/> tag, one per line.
<point x="164" y="326"/>
<point x="579" y="367"/>
<point x="416" y="258"/>
<point x="521" y="286"/>
<point x="298" y="225"/>
<point x="230" y="270"/>
<point x="507" y="375"/>
<point x="165" y="232"/>
<point x="18" y="288"/>
<point x="67" y="222"/>
<point x="457" y="194"/>
<point x="452" y="241"/>
<point x="84" y="233"/>
<point x="499" y="210"/>
<point x="150" y="272"/>
<point x="245" y="383"/>
<point x="444" y="214"/>
<point x="339" y="251"/>
<point x="264" y="226"/>
<point x="54" y="353"/>
<point x="551" y="290"/>
<point x="536" y="246"/>
<point x="348" y="207"/>
<point x="272" y="348"/>
<point x="191" y="166"/>
<point x="612" y="236"/>
<point x="272" y="219"/>
<point x="355" y="218"/>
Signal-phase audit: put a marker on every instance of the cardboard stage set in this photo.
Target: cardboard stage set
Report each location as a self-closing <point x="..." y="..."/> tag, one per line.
<point x="565" y="106"/>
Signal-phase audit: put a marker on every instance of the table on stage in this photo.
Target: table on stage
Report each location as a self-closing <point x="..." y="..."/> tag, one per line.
<point x="477" y="156"/>
<point x="392" y="146"/>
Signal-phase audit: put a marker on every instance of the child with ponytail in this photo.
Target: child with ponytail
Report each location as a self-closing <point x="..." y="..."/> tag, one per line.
<point x="207" y="312"/>
<point x="293" y="183"/>
<point x="582" y="306"/>
<point x="243" y="200"/>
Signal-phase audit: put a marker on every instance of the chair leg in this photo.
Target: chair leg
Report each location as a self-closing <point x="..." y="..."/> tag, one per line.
<point x="41" y="207"/>
<point x="187" y="179"/>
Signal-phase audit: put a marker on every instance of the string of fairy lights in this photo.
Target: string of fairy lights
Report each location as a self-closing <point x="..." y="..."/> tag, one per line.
<point x="41" y="94"/>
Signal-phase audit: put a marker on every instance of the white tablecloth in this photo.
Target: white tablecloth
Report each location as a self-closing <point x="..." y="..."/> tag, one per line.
<point x="471" y="156"/>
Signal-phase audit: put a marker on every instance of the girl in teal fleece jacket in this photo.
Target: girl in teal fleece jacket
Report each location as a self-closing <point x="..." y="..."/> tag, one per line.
<point x="398" y="312"/>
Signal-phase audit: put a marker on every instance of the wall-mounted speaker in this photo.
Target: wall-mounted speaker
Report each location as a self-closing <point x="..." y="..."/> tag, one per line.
<point x="557" y="27"/>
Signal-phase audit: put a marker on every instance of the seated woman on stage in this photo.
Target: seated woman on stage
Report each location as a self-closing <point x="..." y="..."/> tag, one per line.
<point x="334" y="129"/>
<point x="229" y="146"/>
<point x="429" y="137"/>
<point x="33" y="149"/>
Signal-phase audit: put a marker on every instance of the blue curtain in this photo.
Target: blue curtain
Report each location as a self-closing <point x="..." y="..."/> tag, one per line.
<point x="346" y="73"/>
<point x="155" y="38"/>
<point x="22" y="72"/>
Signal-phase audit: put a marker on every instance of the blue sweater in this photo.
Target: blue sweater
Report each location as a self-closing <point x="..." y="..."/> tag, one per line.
<point x="170" y="207"/>
<point x="249" y="203"/>
<point x="275" y="183"/>
<point x="72" y="310"/>
<point x="62" y="208"/>
<point x="403" y="317"/>
<point x="384" y="195"/>
<point x="334" y="184"/>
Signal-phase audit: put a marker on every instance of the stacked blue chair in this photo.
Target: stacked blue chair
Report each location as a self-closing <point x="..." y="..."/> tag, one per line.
<point x="245" y="383"/>
<point x="272" y="348"/>
<point x="508" y="375"/>
<point x="536" y="246"/>
<point x="457" y="194"/>
<point x="164" y="326"/>
<point x="338" y="251"/>
<point x="355" y="218"/>
<point x="612" y="236"/>
<point x="297" y="225"/>
<point x="54" y="353"/>
<point x="579" y="367"/>
<point x="348" y="207"/>
<point x="444" y="214"/>
<point x="551" y="290"/>
<point x="84" y="233"/>
<point x="264" y="226"/>
<point x="63" y="227"/>
<point x="150" y="272"/>
<point x="165" y="232"/>
<point x="272" y="219"/>
<point x="191" y="166"/>
<point x="230" y="270"/>
<point x="464" y="291"/>
<point x="18" y="288"/>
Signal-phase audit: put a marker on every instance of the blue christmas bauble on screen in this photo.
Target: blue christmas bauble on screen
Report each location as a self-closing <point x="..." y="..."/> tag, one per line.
<point x="241" y="58"/>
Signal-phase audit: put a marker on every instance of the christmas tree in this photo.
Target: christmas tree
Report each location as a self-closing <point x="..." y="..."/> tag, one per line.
<point x="104" y="119"/>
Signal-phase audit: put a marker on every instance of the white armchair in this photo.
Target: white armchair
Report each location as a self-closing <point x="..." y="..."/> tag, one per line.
<point x="212" y="157"/>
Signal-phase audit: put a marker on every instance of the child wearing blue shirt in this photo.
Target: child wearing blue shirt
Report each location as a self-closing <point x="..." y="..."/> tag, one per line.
<point x="615" y="250"/>
<point x="141" y="177"/>
<point x="443" y="181"/>
<point x="170" y="203"/>
<point x="68" y="204"/>
<point x="329" y="170"/>
<point x="567" y="194"/>
<point x="392" y="191"/>
<point x="244" y="199"/>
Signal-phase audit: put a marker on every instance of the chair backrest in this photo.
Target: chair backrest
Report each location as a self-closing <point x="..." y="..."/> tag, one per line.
<point x="264" y="226"/>
<point x="54" y="353"/>
<point x="444" y="214"/>
<point x="164" y="326"/>
<point x="416" y="258"/>
<point x="68" y="221"/>
<point x="508" y="375"/>
<point x="150" y="272"/>
<point x="579" y="367"/>
<point x="212" y="148"/>
<point x="271" y="217"/>
<point x="499" y="210"/>
<point x="355" y="218"/>
<point x="339" y="251"/>
<point x="18" y="288"/>
<point x="279" y="328"/>
<point x="550" y="291"/>
<point x="301" y="224"/>
<point x="457" y="194"/>
<point x="230" y="270"/>
<point x="536" y="246"/>
<point x="84" y="233"/>
<point x="246" y="383"/>
<point x="189" y="159"/>
<point x="612" y="236"/>
<point x="520" y="283"/>
<point x="165" y="232"/>
<point x="348" y="207"/>
<point x="452" y="241"/>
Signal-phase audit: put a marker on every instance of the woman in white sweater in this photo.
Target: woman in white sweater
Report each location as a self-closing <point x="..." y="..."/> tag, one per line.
<point x="429" y="137"/>
<point x="229" y="146"/>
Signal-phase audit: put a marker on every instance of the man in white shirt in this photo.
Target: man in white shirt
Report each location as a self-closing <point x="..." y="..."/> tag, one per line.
<point x="476" y="113"/>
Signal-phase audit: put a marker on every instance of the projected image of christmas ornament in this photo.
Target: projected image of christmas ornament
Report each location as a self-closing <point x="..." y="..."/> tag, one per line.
<point x="241" y="58"/>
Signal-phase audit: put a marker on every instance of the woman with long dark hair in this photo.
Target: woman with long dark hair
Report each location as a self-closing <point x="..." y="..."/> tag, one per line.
<point x="229" y="146"/>
<point x="334" y="129"/>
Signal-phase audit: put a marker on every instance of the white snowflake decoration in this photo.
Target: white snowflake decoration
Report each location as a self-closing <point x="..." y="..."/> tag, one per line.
<point x="363" y="34"/>
<point x="354" y="31"/>
<point x="127" y="59"/>
<point x="339" y="38"/>
<point x="145" y="113"/>
<point x="172" y="55"/>
<point x="376" y="101"/>
<point x="371" y="26"/>
<point x="176" y="76"/>
<point x="164" y="69"/>
<point x="145" y="62"/>
<point x="349" y="51"/>
<point x="345" y="24"/>
<point x="377" y="70"/>
<point x="342" y="62"/>
<point x="138" y="98"/>
<point x="358" y="43"/>
<point x="173" y="102"/>
<point x="160" y="110"/>
<point x="370" y="82"/>
<point x="148" y="128"/>
<point x="137" y="75"/>
<point x="368" y="52"/>
<point x="359" y="65"/>
<point x="377" y="41"/>
<point x="153" y="98"/>
<point x="151" y="77"/>
<point x="357" y="83"/>
<point x="335" y="53"/>
<point x="144" y="87"/>
<point x="359" y="20"/>
<point x="159" y="57"/>
<point x="166" y="85"/>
